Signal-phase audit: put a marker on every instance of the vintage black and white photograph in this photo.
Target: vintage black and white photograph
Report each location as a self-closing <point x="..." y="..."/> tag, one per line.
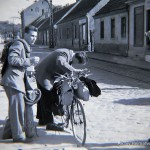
<point x="75" y="75"/>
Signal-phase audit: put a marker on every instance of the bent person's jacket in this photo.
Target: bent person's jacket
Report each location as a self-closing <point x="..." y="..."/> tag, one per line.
<point x="55" y="63"/>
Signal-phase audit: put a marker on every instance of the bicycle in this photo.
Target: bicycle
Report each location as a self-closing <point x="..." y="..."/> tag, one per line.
<point x="74" y="111"/>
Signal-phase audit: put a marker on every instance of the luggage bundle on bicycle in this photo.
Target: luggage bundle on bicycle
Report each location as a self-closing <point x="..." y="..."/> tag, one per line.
<point x="65" y="92"/>
<point x="66" y="88"/>
<point x="70" y="91"/>
<point x="63" y="95"/>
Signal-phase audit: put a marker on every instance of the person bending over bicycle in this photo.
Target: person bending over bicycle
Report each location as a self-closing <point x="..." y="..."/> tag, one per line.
<point x="58" y="62"/>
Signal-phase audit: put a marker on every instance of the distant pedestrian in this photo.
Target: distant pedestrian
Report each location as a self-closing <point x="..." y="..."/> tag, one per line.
<point x="13" y="81"/>
<point x="147" y="34"/>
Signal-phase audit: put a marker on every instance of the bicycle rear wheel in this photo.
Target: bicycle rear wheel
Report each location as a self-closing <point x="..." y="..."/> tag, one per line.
<point x="78" y="122"/>
<point x="66" y="117"/>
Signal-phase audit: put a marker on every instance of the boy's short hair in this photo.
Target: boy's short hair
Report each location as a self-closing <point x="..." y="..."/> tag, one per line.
<point x="30" y="28"/>
<point x="82" y="57"/>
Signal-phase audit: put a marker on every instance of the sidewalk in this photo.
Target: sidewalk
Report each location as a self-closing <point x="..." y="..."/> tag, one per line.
<point x="119" y="60"/>
<point x="121" y="112"/>
<point x="111" y="58"/>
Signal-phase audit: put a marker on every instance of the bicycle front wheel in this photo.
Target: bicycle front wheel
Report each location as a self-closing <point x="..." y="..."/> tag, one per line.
<point x="78" y="122"/>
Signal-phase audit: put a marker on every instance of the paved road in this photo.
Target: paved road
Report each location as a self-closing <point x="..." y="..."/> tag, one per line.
<point x="121" y="113"/>
<point x="118" y="119"/>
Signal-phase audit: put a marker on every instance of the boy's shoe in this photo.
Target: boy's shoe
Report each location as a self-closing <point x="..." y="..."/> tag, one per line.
<point x="23" y="140"/>
<point x="54" y="127"/>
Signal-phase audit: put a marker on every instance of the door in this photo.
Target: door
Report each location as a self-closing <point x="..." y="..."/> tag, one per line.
<point x="139" y="26"/>
<point x="83" y="36"/>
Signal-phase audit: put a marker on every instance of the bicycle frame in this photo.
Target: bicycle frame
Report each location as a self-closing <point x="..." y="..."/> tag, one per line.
<point x="75" y="114"/>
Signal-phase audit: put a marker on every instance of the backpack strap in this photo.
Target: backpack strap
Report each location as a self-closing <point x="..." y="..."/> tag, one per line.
<point x="26" y="46"/>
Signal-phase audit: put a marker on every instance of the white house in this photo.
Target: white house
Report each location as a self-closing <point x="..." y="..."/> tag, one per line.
<point x="120" y="28"/>
<point x="139" y="23"/>
<point x="111" y="28"/>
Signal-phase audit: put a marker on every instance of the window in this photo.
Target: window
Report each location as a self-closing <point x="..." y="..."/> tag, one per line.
<point x="75" y="31"/>
<point x="42" y="11"/>
<point x="60" y="33"/>
<point x="83" y="33"/>
<point x="123" y="27"/>
<point x="37" y="9"/>
<point x="113" y="28"/>
<point x="102" y="30"/>
<point x="68" y="32"/>
<point x="47" y="36"/>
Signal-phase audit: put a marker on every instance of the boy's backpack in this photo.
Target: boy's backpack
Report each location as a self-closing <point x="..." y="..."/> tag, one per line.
<point x="5" y="52"/>
<point x="4" y="57"/>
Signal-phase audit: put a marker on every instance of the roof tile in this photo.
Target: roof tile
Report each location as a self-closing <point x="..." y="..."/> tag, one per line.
<point x="112" y="5"/>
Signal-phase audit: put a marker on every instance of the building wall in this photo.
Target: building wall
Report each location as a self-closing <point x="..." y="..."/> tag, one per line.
<point x="34" y="11"/>
<point x="116" y="45"/>
<point x="65" y="35"/>
<point x="80" y="42"/>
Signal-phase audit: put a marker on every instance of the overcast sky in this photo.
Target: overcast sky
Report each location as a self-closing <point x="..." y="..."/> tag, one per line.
<point x="11" y="8"/>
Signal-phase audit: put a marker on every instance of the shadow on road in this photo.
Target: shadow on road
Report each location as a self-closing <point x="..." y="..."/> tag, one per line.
<point x="139" y="101"/>
<point x="47" y="138"/>
<point x="132" y="145"/>
<point x="53" y="137"/>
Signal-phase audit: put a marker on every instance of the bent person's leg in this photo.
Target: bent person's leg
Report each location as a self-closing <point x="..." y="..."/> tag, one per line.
<point x="44" y="112"/>
<point x="16" y="112"/>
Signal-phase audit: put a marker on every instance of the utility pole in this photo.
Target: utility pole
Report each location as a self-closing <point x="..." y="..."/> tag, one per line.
<point x="51" y="36"/>
<point x="14" y="24"/>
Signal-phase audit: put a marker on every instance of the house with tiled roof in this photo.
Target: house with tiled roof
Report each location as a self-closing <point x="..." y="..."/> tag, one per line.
<point x="44" y="25"/>
<point x="120" y="26"/>
<point x="75" y="30"/>
<point x="34" y="12"/>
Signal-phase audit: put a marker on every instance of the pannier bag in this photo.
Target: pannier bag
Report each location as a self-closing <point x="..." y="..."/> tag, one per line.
<point x="82" y="91"/>
<point x="64" y="91"/>
<point x="66" y="94"/>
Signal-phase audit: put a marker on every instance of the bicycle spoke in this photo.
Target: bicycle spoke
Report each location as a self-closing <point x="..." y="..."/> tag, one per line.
<point x="78" y="122"/>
